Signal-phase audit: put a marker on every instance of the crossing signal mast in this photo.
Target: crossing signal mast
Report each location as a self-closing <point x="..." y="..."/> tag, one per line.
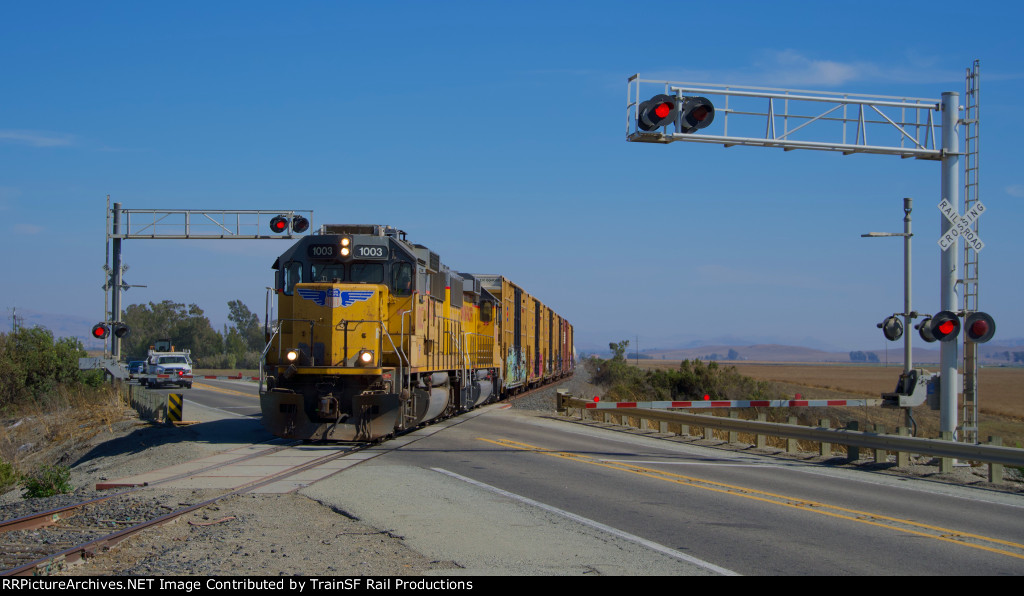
<point x="919" y="128"/>
<point x="179" y="224"/>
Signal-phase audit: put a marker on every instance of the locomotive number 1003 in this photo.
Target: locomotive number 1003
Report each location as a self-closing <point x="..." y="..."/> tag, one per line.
<point x="370" y="252"/>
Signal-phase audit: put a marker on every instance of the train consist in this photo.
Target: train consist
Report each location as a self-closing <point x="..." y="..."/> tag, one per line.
<point x="375" y="335"/>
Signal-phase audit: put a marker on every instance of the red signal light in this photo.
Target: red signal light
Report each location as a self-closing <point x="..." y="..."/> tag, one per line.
<point x="100" y="331"/>
<point x="944" y="326"/>
<point x="278" y="224"/>
<point x="980" y="327"/>
<point x="656" y="112"/>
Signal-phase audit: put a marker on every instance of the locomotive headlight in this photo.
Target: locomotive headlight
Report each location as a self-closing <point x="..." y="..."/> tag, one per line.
<point x="344" y="251"/>
<point x="292" y="355"/>
<point x="365" y="357"/>
<point x="345" y="241"/>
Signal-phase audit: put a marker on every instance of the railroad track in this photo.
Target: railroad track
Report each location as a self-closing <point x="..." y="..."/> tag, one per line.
<point x="44" y="542"/>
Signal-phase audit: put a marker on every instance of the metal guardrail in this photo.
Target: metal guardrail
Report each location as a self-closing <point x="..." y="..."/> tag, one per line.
<point x="995" y="455"/>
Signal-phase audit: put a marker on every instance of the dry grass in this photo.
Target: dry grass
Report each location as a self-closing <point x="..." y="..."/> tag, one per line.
<point x="1000" y="395"/>
<point x="52" y="432"/>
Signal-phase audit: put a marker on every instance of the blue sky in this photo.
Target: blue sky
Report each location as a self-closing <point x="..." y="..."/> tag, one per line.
<point x="494" y="133"/>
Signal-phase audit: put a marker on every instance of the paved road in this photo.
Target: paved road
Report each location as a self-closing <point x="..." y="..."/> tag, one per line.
<point x="500" y="491"/>
<point x="507" y="492"/>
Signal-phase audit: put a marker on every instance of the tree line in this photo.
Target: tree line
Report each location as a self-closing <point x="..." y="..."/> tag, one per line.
<point x="239" y="345"/>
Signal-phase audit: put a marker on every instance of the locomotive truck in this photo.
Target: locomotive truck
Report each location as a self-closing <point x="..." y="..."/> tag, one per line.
<point x="375" y="335"/>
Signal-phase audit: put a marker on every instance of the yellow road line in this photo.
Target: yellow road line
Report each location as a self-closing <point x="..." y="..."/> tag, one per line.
<point x="874" y="519"/>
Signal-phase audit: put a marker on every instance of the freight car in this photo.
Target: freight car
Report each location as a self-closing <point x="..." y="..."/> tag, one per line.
<point x="375" y="335"/>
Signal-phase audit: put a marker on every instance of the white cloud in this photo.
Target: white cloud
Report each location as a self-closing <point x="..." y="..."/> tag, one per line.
<point x="35" y="138"/>
<point x="790" y="68"/>
<point x="1015" y="190"/>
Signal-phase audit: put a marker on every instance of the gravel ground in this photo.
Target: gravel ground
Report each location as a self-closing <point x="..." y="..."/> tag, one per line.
<point x="249" y="534"/>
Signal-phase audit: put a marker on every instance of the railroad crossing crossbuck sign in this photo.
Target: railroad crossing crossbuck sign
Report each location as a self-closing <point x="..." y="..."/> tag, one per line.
<point x="961" y="226"/>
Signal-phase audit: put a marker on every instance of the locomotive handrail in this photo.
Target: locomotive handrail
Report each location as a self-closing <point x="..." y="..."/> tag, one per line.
<point x="263" y="356"/>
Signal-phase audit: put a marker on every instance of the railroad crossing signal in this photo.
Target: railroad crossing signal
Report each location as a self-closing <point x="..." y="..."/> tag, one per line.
<point x="943" y="326"/>
<point x="658" y="111"/>
<point x="892" y="328"/>
<point x="281" y="223"/>
<point x="103" y="329"/>
<point x="979" y="327"/>
<point x="689" y="114"/>
<point x="278" y="224"/>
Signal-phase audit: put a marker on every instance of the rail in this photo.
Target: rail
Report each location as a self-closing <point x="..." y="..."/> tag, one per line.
<point x="902" y="444"/>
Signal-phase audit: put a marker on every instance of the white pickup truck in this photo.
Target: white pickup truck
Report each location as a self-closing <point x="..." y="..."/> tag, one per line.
<point x="173" y="368"/>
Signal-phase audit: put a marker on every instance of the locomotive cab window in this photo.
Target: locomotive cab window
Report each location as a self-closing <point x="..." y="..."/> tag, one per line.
<point x="328" y="273"/>
<point x="366" y="273"/>
<point x="292" y="276"/>
<point x="401" y="279"/>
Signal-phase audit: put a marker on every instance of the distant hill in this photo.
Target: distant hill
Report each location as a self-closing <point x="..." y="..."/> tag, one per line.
<point x="990" y="353"/>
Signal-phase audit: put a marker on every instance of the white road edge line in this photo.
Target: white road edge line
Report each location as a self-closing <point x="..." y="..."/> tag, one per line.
<point x="593" y="524"/>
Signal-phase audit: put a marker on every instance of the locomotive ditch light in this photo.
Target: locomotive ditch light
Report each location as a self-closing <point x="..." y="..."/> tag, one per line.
<point x="299" y="224"/>
<point x="278" y="224"/>
<point x="364" y="358"/>
<point x="892" y="328"/>
<point x="658" y="111"/>
<point x="979" y="327"/>
<point x="943" y="326"/>
<point x="100" y="331"/>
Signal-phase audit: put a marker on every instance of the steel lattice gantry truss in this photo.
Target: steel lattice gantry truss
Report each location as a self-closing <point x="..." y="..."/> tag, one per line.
<point x="796" y="119"/>
<point x="200" y="224"/>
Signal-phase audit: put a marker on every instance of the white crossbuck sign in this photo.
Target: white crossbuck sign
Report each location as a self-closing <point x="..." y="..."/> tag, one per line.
<point x="961" y="225"/>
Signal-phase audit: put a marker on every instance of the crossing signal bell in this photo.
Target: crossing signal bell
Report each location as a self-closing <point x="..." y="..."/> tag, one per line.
<point x="979" y="327"/>
<point x="892" y="328"/>
<point x="943" y="326"/>
<point x="689" y="114"/>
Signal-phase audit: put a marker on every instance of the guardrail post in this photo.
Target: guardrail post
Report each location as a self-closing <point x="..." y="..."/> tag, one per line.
<point x="995" y="471"/>
<point x="709" y="432"/>
<point x="826" y="448"/>
<point x="903" y="457"/>
<point x="734" y="437"/>
<point x="791" y="446"/>
<point x="607" y="417"/>
<point x="762" y="440"/>
<point x="946" y="463"/>
<point x="881" y="456"/>
<point x="684" y="430"/>
<point x="852" y="451"/>
<point x="663" y="427"/>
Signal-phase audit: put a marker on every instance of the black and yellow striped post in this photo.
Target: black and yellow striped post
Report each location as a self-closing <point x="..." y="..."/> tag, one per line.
<point x="174" y="403"/>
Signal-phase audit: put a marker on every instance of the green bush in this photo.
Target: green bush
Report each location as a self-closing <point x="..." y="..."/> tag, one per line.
<point x="693" y="380"/>
<point x="47" y="481"/>
<point x="33" y="364"/>
<point x="8" y="476"/>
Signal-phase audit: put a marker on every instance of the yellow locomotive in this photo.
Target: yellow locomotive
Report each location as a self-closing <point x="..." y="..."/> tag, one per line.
<point x="375" y="335"/>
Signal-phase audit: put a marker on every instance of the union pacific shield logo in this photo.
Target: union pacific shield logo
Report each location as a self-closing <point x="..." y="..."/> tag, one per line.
<point x="335" y="297"/>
